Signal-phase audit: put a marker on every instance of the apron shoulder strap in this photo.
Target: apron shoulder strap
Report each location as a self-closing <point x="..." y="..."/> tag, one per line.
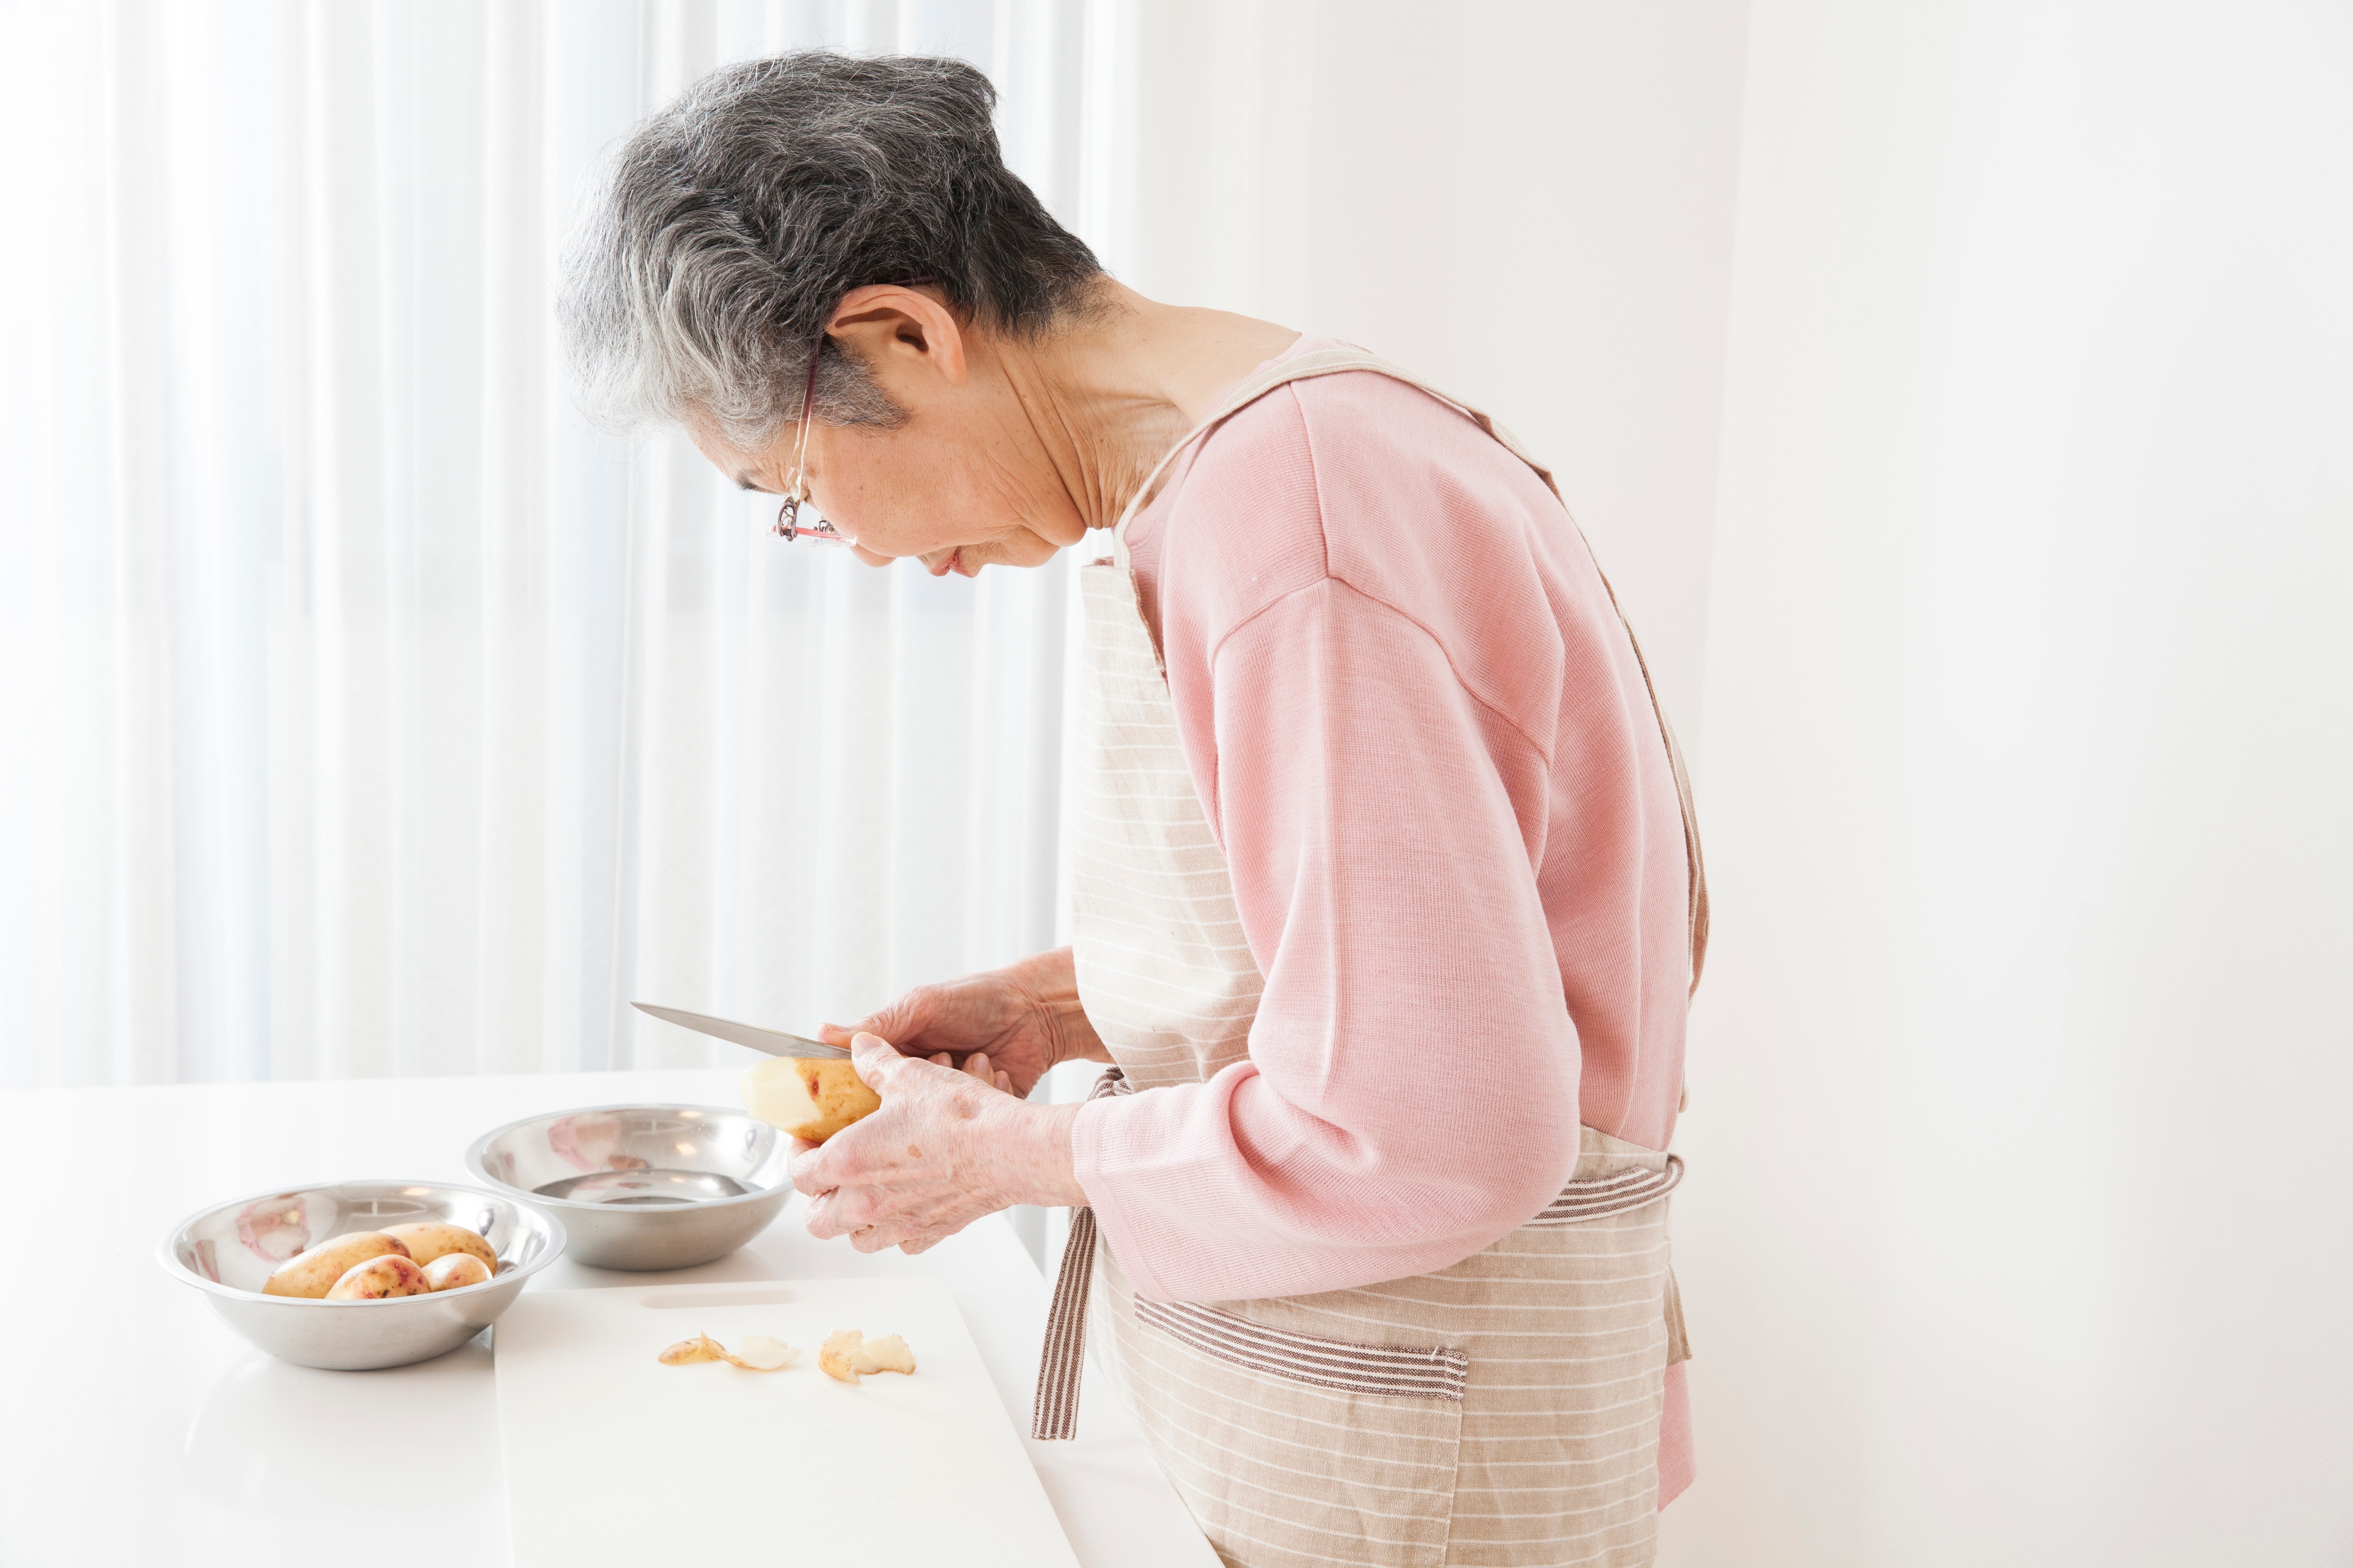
<point x="1346" y="357"/>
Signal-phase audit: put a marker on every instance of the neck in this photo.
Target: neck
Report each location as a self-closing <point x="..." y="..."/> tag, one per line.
<point x="1127" y="379"/>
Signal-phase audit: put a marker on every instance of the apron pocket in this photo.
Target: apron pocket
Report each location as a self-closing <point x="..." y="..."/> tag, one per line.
<point x="1436" y="1372"/>
<point x="1291" y="1450"/>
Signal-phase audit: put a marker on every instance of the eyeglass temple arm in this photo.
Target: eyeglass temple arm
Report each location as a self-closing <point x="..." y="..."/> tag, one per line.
<point x="788" y="527"/>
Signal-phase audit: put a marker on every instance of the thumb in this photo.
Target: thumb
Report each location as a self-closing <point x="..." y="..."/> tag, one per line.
<point x="876" y="1061"/>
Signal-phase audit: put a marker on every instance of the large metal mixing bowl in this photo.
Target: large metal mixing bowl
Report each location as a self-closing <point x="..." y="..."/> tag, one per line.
<point x="227" y="1252"/>
<point x="644" y="1186"/>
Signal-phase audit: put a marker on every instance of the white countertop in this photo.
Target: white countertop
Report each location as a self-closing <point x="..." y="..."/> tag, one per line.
<point x="136" y="1427"/>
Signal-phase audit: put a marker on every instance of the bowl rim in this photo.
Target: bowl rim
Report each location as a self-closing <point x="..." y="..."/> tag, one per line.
<point x="167" y="1255"/>
<point x="475" y="1150"/>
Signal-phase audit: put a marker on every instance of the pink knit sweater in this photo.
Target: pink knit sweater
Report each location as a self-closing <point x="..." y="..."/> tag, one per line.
<point x="1424" y="744"/>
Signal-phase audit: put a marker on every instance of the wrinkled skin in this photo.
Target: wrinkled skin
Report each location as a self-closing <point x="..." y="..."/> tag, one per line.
<point x="1010" y="446"/>
<point x="947" y="1148"/>
<point x="1024" y="1018"/>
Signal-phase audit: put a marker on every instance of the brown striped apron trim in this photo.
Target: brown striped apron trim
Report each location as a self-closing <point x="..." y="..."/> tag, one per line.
<point x="1613" y="1194"/>
<point x="1054" y="1413"/>
<point x="1435" y="1372"/>
<point x="1439" y="1372"/>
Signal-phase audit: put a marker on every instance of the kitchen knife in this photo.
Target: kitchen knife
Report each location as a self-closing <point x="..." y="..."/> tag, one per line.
<point x="774" y="1041"/>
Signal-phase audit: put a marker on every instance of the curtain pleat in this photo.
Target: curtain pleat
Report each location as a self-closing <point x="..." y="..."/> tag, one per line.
<point x="364" y="711"/>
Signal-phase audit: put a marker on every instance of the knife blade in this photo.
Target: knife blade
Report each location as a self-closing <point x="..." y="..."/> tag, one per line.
<point x="776" y="1042"/>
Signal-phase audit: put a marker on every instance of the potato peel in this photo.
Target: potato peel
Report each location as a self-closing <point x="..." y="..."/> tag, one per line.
<point x="889" y="1353"/>
<point x="761" y="1354"/>
<point x="849" y="1354"/>
<point x="833" y="1358"/>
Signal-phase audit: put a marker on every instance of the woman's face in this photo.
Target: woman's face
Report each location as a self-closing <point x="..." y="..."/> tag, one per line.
<point x="962" y="481"/>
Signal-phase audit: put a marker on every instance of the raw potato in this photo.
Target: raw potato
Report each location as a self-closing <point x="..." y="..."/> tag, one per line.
<point x="849" y="1354"/>
<point x="429" y="1241"/>
<point x="378" y="1277"/>
<point x="455" y="1271"/>
<point x="808" y="1097"/>
<point x="314" y="1273"/>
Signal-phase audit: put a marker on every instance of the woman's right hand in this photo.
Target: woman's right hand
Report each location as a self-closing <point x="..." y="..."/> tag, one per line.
<point x="1025" y="1018"/>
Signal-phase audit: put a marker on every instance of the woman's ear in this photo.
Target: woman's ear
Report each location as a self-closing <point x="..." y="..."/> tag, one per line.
<point x="902" y="333"/>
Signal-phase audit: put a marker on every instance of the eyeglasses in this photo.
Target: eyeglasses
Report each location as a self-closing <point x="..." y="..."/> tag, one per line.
<point x="789" y="516"/>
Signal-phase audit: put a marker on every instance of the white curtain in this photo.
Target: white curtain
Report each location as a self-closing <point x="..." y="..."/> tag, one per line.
<point x="363" y="713"/>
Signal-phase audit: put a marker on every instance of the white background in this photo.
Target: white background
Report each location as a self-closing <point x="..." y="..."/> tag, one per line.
<point x="1959" y="396"/>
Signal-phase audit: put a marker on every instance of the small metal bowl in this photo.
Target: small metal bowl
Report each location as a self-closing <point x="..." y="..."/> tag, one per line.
<point x="644" y="1186"/>
<point x="229" y="1251"/>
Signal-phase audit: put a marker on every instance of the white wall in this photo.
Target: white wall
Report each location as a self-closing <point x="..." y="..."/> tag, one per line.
<point x="1529" y="203"/>
<point x="2018" y="1229"/>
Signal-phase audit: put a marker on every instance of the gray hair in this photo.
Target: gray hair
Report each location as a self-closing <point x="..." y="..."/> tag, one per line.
<point x="716" y="242"/>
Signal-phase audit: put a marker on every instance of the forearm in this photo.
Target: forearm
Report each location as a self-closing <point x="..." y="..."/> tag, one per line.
<point x="1031" y="1155"/>
<point x="1051" y="982"/>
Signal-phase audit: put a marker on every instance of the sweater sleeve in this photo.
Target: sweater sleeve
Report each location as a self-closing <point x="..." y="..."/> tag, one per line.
<point x="1411" y="1092"/>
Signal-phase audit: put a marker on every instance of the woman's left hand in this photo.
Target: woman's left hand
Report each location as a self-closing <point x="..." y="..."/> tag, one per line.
<point x="946" y="1149"/>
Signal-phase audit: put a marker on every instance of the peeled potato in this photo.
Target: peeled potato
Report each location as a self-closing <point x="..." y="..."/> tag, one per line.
<point x="455" y="1271"/>
<point x="378" y="1277"/>
<point x="808" y="1097"/>
<point x="430" y="1240"/>
<point x="314" y="1273"/>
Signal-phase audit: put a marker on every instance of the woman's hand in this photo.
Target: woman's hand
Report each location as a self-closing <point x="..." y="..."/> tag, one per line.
<point x="1026" y="1017"/>
<point x="944" y="1150"/>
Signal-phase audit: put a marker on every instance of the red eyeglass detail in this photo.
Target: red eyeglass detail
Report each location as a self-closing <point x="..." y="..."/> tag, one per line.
<point x="789" y="526"/>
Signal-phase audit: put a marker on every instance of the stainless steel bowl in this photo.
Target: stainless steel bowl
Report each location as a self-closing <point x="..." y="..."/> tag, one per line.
<point x="644" y="1186"/>
<point x="229" y="1251"/>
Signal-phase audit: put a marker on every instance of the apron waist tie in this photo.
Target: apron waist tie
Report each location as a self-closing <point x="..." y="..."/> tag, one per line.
<point x="1054" y="1414"/>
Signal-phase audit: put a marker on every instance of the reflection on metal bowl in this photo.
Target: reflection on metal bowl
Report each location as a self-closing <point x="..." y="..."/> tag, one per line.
<point x="644" y="1186"/>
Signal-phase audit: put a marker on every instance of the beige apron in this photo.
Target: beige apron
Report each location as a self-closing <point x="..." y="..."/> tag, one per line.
<point x="1504" y="1410"/>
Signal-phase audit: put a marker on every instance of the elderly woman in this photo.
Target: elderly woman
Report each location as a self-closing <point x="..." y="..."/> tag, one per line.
<point x="1387" y="904"/>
